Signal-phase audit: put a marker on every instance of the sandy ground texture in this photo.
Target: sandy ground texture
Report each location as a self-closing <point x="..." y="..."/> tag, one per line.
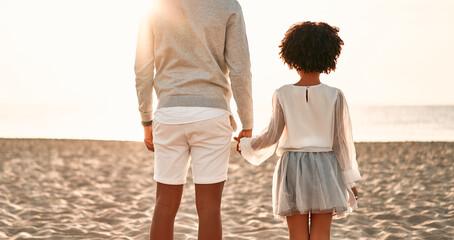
<point x="73" y="189"/>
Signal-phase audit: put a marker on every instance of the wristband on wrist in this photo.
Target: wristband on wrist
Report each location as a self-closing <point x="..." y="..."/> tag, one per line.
<point x="146" y="124"/>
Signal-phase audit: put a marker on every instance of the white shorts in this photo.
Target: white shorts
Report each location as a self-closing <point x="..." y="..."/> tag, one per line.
<point x="205" y="144"/>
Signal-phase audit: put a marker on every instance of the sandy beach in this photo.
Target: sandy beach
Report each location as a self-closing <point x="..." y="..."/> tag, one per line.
<point x="78" y="189"/>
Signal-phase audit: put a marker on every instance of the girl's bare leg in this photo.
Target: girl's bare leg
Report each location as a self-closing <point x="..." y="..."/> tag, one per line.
<point x="298" y="227"/>
<point x="168" y="198"/>
<point x="321" y="226"/>
<point x="208" y="203"/>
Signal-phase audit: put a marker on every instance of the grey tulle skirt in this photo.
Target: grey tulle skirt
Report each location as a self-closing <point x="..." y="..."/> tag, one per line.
<point x="309" y="182"/>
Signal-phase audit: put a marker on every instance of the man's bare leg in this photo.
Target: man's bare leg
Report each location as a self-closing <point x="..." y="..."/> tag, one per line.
<point x="208" y="201"/>
<point x="168" y="198"/>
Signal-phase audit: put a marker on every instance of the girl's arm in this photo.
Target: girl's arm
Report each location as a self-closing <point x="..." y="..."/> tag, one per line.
<point x="257" y="149"/>
<point x="343" y="144"/>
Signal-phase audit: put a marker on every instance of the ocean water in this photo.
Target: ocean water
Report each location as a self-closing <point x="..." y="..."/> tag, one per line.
<point x="403" y="123"/>
<point x="370" y="123"/>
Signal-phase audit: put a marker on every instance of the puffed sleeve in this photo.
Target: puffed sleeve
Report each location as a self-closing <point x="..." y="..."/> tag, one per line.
<point x="343" y="144"/>
<point x="257" y="149"/>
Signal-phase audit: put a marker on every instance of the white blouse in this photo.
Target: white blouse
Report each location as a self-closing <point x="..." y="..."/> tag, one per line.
<point x="307" y="119"/>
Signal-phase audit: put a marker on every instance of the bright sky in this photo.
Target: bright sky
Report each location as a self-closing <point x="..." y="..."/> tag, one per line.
<point x="67" y="66"/>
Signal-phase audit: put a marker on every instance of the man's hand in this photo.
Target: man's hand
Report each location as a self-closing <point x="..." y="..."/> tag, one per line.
<point x="242" y="134"/>
<point x="148" y="132"/>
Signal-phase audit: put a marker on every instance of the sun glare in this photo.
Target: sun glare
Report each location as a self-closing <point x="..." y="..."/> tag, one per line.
<point x="144" y="7"/>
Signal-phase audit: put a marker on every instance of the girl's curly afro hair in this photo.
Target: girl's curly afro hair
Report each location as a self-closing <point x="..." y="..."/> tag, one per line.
<point x="311" y="47"/>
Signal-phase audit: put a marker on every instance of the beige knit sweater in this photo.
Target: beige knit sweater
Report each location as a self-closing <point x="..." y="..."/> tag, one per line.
<point x="188" y="51"/>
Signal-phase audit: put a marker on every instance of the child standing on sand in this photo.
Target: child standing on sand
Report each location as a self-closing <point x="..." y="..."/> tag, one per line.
<point x="315" y="177"/>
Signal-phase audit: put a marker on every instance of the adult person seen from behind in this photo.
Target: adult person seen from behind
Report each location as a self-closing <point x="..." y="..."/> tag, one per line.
<point x="195" y="55"/>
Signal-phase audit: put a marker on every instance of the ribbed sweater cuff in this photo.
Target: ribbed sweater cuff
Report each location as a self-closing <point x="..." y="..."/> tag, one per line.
<point x="247" y="125"/>
<point x="146" y="116"/>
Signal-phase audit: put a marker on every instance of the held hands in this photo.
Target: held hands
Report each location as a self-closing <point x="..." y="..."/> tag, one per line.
<point x="242" y="134"/>
<point x="148" y="132"/>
